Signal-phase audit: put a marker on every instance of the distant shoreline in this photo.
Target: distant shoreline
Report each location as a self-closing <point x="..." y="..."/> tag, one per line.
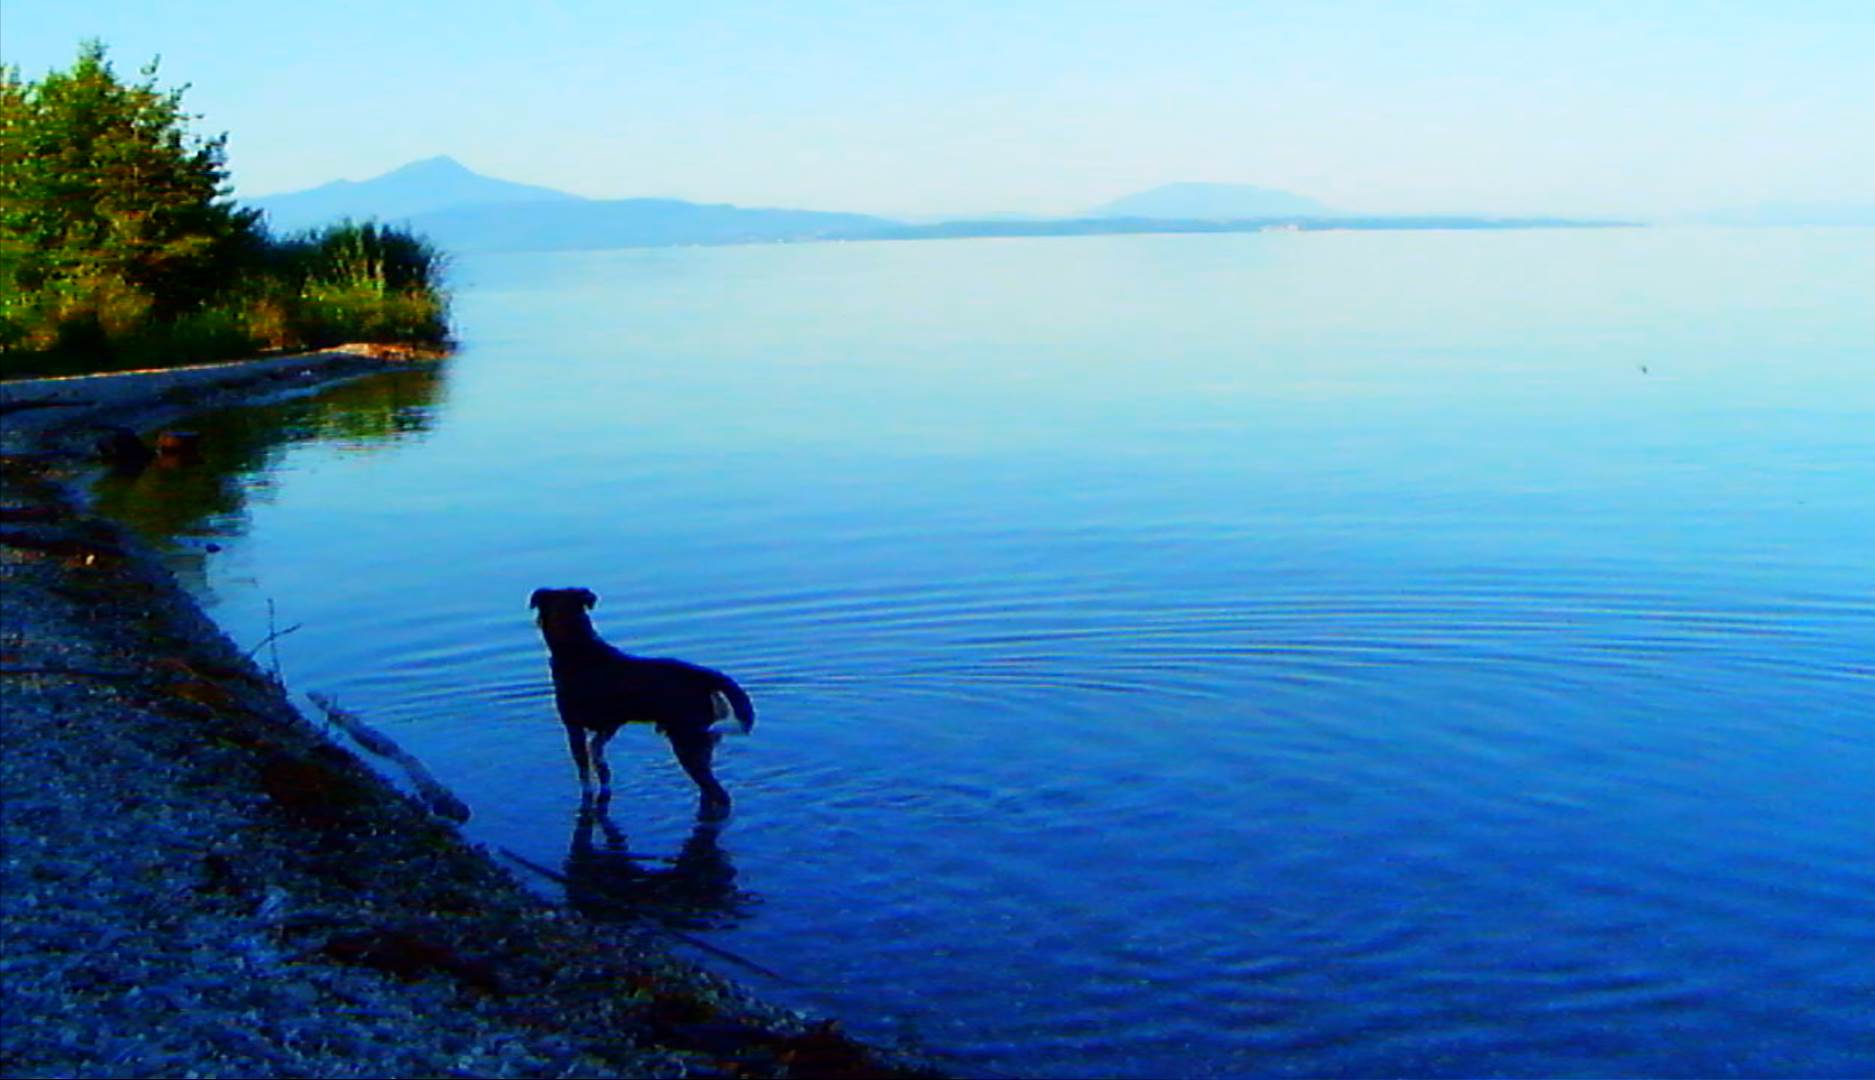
<point x="970" y="230"/>
<point x="628" y="224"/>
<point x="465" y="212"/>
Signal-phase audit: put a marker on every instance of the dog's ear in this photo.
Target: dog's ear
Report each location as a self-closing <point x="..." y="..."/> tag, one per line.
<point x="588" y="597"/>
<point x="534" y="600"/>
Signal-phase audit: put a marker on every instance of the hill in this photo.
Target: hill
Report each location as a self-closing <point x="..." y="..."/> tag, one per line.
<point x="462" y="211"/>
<point x="421" y="187"/>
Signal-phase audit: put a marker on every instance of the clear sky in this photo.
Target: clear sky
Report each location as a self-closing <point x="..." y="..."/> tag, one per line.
<point x="1630" y="107"/>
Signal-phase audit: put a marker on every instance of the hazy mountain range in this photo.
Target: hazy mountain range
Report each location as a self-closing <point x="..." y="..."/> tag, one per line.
<point x="463" y="211"/>
<point x="442" y="186"/>
<point x="421" y="187"/>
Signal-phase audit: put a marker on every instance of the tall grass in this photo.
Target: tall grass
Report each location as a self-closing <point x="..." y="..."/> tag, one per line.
<point x="356" y="282"/>
<point x="346" y="283"/>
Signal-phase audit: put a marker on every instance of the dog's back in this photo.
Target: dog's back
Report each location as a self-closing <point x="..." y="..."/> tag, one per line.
<point x="603" y="689"/>
<point x="599" y="688"/>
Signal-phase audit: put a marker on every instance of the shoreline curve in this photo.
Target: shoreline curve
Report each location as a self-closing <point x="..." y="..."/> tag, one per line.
<point x="197" y="881"/>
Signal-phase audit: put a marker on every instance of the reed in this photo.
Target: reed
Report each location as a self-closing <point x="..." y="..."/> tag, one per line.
<point x="345" y="283"/>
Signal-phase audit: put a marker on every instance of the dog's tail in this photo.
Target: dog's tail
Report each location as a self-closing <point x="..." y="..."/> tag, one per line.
<point x="729" y="701"/>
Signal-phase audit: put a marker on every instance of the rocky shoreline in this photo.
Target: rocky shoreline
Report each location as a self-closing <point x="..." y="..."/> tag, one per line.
<point x="195" y="881"/>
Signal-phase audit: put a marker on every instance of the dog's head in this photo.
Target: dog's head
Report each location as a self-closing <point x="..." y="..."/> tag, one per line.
<point x="563" y="611"/>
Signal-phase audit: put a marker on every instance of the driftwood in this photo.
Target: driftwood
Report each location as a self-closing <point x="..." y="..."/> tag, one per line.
<point x="437" y="798"/>
<point x="273" y="636"/>
<point x="713" y="950"/>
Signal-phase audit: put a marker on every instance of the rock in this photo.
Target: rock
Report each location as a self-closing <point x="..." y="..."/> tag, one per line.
<point x="124" y="451"/>
<point x="179" y="447"/>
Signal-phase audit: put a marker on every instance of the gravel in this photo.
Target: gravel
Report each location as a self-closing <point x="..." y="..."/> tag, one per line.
<point x="196" y="882"/>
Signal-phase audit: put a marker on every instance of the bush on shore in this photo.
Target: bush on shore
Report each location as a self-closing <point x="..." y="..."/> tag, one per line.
<point x="119" y="246"/>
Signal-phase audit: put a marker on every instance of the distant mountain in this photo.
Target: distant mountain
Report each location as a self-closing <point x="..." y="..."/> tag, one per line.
<point x="612" y="223"/>
<point x="1791" y="213"/>
<point x="669" y="222"/>
<point x="421" y="187"/>
<point x="1137" y="226"/>
<point x="462" y="211"/>
<point x="1212" y="202"/>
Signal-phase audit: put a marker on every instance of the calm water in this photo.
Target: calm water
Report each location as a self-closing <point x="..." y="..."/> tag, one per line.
<point x="1424" y="653"/>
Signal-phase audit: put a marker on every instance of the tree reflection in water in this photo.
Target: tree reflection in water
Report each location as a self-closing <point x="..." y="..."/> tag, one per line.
<point x="205" y="496"/>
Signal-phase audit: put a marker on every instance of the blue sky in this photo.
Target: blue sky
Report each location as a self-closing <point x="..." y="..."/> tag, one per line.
<point x="1641" y="107"/>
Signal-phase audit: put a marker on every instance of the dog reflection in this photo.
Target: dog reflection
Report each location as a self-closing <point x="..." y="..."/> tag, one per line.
<point x="696" y="889"/>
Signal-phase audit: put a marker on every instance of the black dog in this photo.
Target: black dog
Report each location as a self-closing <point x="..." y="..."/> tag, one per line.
<point x="599" y="689"/>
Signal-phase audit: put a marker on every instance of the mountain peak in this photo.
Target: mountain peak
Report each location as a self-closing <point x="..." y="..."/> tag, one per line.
<point x="425" y="186"/>
<point x="440" y="165"/>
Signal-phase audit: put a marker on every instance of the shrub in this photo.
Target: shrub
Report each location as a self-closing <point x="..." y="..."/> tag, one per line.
<point x="120" y="248"/>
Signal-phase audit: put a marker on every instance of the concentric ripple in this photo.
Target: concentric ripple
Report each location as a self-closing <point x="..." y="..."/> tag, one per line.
<point x="1168" y="661"/>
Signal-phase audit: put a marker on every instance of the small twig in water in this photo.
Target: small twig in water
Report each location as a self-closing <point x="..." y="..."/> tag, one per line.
<point x="272" y="638"/>
<point x="269" y="640"/>
<point x="273" y="641"/>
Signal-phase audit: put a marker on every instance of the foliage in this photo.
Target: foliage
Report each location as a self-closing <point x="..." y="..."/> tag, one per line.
<point x="353" y="282"/>
<point x="119" y="246"/>
<point x="367" y="413"/>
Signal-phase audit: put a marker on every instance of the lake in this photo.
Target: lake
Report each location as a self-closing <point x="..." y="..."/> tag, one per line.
<point x="1353" y="654"/>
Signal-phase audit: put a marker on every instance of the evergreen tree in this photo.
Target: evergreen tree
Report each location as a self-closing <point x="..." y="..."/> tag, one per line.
<point x="111" y="212"/>
<point x="119" y="245"/>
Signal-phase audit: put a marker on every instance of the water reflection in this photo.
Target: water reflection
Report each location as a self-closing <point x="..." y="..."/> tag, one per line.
<point x="205" y="491"/>
<point x="1528" y="696"/>
<point x="694" y="890"/>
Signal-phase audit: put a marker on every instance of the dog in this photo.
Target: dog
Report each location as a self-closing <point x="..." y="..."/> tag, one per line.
<point x="599" y="689"/>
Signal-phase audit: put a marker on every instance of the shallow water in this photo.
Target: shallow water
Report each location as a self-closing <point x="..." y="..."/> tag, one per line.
<point x="1322" y="654"/>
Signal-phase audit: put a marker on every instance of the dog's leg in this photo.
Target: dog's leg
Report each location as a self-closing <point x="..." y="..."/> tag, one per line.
<point x="694" y="749"/>
<point x="576" y="741"/>
<point x="599" y="739"/>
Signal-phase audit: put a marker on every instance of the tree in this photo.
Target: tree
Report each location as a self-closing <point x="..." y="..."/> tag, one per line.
<point x="111" y="211"/>
<point x="120" y="246"/>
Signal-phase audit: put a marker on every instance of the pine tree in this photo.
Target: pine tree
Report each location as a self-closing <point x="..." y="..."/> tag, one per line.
<point x="111" y="212"/>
